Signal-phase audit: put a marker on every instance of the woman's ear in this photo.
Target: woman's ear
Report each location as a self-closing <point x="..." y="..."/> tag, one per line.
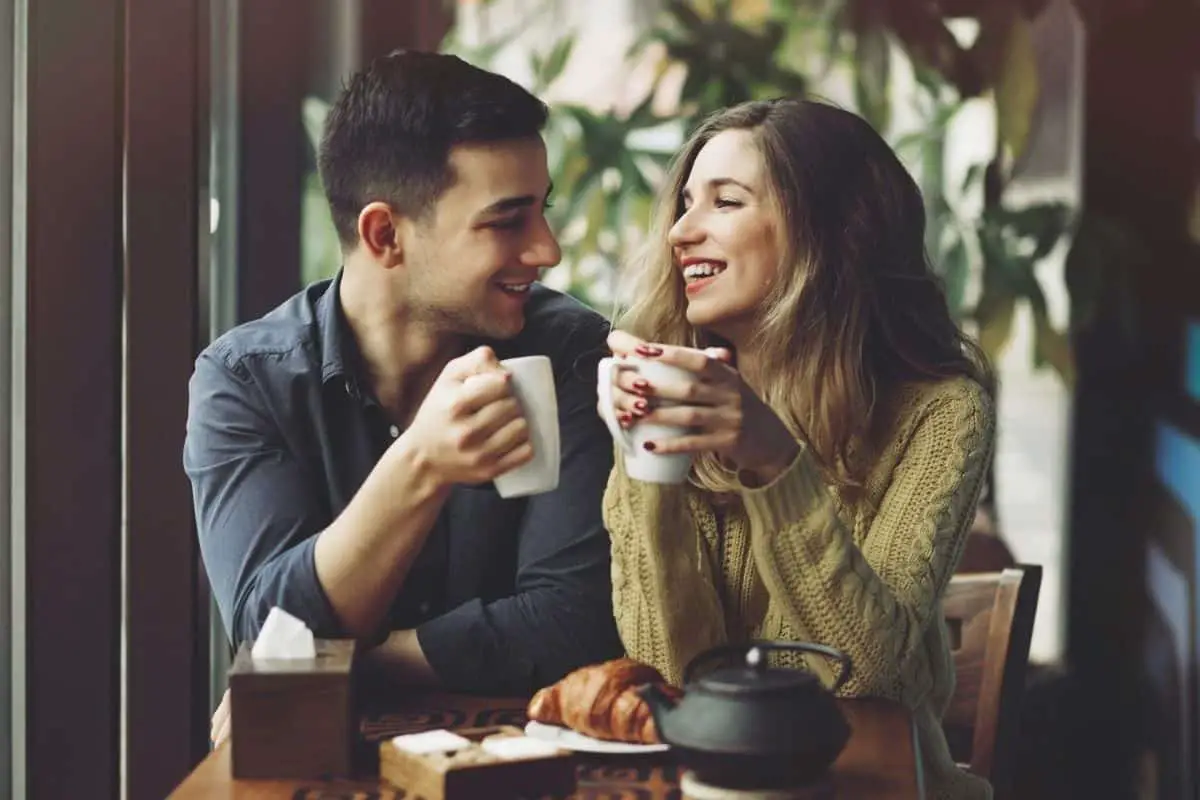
<point x="378" y="232"/>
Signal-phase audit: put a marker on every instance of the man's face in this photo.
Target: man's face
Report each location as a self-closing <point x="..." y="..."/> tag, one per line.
<point x="470" y="263"/>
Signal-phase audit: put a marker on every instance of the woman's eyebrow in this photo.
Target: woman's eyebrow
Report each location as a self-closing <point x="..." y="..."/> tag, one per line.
<point x="717" y="183"/>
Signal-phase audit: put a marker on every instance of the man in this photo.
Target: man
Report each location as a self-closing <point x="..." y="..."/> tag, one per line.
<point x="341" y="448"/>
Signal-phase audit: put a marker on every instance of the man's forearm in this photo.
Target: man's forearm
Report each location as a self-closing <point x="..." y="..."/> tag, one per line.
<point x="400" y="658"/>
<point x="363" y="557"/>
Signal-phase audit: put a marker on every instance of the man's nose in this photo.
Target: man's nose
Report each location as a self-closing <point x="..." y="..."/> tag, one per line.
<point x="543" y="250"/>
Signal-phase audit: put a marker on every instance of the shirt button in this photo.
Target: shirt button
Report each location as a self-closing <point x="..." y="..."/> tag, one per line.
<point x="394" y="431"/>
<point x="424" y="607"/>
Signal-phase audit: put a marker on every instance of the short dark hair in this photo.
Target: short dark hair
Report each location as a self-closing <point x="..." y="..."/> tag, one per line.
<point x="389" y="134"/>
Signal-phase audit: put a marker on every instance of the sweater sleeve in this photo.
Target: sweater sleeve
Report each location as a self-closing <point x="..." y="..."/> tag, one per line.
<point x="665" y="602"/>
<point x="874" y="599"/>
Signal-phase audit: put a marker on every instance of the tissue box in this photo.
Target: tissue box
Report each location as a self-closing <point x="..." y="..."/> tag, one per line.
<point x="292" y="718"/>
<point x="492" y="762"/>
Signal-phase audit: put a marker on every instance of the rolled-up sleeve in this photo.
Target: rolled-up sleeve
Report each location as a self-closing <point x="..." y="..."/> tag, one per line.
<point x="560" y="616"/>
<point x="257" y="515"/>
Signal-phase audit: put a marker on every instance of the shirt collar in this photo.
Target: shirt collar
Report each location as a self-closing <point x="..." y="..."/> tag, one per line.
<point x="340" y="359"/>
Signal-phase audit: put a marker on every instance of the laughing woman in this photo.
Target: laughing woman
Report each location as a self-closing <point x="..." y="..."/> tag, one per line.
<point x="841" y="423"/>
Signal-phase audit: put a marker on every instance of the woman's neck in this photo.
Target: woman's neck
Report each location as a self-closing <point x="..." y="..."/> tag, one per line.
<point x="749" y="363"/>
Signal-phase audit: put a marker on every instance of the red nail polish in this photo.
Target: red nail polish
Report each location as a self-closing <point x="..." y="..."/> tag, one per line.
<point x="649" y="446"/>
<point x="642" y="385"/>
<point x="649" y="350"/>
<point x="640" y="406"/>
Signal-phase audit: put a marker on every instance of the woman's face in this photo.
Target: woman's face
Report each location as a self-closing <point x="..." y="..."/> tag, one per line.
<point x="726" y="243"/>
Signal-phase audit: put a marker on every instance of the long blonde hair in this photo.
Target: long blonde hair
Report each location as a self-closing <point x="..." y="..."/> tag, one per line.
<point x="856" y="310"/>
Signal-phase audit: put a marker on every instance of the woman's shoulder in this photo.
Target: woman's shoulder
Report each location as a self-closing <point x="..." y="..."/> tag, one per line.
<point x="961" y="402"/>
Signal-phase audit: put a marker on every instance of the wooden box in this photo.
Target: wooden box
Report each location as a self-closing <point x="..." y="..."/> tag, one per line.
<point x="292" y="718"/>
<point x="473" y="772"/>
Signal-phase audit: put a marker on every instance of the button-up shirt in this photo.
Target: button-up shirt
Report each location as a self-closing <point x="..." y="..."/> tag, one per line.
<point x="505" y="595"/>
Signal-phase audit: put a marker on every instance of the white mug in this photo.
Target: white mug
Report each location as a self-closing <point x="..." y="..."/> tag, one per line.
<point x="533" y="386"/>
<point x="640" y="463"/>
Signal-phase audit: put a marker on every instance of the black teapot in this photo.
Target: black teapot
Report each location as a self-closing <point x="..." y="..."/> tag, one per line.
<point x="751" y="726"/>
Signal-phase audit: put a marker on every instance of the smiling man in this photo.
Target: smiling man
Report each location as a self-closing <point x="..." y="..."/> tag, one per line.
<point x="341" y="449"/>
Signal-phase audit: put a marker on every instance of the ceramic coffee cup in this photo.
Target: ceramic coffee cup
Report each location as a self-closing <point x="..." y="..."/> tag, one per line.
<point x="533" y="386"/>
<point x="640" y="463"/>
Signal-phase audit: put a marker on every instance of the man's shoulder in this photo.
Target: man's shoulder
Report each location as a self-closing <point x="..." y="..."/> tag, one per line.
<point x="572" y="333"/>
<point x="286" y="335"/>
<point x="554" y="318"/>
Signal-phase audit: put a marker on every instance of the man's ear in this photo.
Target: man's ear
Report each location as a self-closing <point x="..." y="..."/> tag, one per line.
<point x="378" y="232"/>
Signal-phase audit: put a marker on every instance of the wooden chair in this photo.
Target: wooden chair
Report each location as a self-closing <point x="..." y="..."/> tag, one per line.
<point x="990" y="620"/>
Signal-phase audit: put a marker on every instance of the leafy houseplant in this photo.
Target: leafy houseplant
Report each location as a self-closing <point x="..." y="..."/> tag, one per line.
<point x="606" y="164"/>
<point x="735" y="50"/>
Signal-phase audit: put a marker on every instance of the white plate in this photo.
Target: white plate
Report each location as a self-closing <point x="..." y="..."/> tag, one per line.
<point x="573" y="740"/>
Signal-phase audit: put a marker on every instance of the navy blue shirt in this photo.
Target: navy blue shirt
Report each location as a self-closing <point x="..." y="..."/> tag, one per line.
<point x="505" y="596"/>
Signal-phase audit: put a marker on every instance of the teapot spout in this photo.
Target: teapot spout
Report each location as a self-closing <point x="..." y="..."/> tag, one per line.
<point x="661" y="704"/>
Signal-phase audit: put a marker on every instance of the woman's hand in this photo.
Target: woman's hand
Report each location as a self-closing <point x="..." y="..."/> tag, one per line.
<point x="724" y="415"/>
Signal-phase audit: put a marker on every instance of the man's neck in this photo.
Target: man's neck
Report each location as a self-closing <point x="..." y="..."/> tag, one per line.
<point x="401" y="355"/>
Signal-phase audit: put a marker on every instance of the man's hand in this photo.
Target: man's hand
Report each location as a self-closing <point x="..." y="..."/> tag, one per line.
<point x="470" y="427"/>
<point x="219" y="731"/>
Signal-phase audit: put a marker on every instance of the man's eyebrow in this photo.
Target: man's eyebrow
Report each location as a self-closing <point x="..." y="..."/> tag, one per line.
<point x="717" y="183"/>
<point x="506" y="204"/>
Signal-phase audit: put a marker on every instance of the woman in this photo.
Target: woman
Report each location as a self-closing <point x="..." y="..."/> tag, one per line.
<point x="840" y="422"/>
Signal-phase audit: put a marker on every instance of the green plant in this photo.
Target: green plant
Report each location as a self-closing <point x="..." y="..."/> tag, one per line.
<point x="606" y="164"/>
<point x="320" y="251"/>
<point x="730" y="56"/>
<point x="734" y="51"/>
<point x="604" y="177"/>
<point x="1006" y="243"/>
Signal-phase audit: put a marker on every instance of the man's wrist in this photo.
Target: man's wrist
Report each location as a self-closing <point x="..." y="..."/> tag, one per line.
<point x="416" y="472"/>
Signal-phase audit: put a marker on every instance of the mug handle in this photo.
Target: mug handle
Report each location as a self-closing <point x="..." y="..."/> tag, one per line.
<point x="608" y="411"/>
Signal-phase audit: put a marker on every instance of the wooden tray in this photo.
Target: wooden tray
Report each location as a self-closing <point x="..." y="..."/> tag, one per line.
<point x="474" y="772"/>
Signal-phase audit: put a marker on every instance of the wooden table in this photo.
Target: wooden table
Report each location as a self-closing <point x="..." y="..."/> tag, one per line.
<point x="881" y="759"/>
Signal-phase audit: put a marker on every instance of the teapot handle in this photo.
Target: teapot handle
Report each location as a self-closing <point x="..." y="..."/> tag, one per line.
<point x="764" y="646"/>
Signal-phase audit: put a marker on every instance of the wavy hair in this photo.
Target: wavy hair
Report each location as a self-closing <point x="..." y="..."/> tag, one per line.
<point x="855" y="311"/>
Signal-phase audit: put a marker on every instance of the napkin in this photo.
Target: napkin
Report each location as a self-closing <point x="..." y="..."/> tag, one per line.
<point x="514" y="747"/>
<point x="283" y="636"/>
<point x="438" y="741"/>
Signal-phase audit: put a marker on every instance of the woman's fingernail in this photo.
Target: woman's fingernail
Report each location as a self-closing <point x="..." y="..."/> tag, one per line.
<point x="641" y="385"/>
<point x="641" y="406"/>
<point x="649" y="350"/>
<point x="649" y="446"/>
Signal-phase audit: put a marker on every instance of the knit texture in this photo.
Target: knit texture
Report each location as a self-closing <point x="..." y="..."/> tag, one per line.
<point x="792" y="561"/>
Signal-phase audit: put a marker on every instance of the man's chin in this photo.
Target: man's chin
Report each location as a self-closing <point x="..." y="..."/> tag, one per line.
<point x="509" y="332"/>
<point x="500" y="327"/>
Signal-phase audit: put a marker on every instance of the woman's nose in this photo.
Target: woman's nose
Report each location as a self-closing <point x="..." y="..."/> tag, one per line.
<point x="684" y="231"/>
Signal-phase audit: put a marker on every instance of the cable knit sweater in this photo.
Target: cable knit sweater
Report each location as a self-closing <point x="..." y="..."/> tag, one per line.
<point x="792" y="561"/>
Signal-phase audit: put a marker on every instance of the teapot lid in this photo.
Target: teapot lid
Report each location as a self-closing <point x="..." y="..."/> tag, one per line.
<point x="754" y="677"/>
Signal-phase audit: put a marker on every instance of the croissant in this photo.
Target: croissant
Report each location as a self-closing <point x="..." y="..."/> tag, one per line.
<point x="601" y="701"/>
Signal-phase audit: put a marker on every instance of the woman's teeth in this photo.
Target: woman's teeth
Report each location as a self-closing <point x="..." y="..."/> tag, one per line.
<point x="707" y="269"/>
<point x="515" y="288"/>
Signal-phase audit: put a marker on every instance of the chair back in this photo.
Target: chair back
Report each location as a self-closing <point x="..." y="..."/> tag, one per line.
<point x="989" y="617"/>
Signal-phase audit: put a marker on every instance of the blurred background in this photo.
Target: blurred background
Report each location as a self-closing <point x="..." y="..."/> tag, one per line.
<point x="158" y="185"/>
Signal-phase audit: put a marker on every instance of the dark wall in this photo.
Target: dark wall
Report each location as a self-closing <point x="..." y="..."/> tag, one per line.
<point x="413" y="25"/>
<point x="1140" y="170"/>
